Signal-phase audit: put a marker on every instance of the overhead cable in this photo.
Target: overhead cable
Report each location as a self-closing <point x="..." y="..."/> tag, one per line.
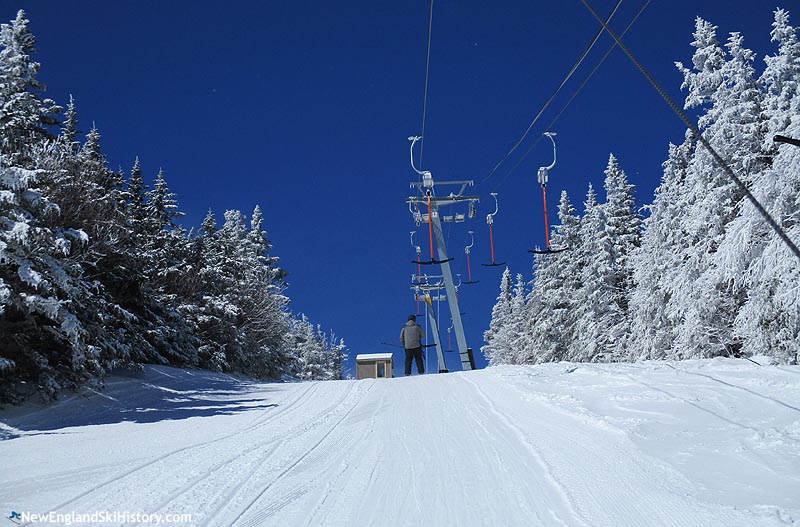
<point x="574" y="95"/>
<point x="425" y="96"/>
<point x="549" y="100"/>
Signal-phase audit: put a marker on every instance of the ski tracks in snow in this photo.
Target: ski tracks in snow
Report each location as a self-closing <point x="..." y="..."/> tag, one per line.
<point x="553" y="496"/>
<point x="554" y="445"/>
<point x="147" y="478"/>
<point x="309" y="454"/>
<point x="738" y="387"/>
<point x="597" y="464"/>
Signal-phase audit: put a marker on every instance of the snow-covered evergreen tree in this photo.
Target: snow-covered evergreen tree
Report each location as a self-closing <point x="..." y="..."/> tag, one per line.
<point x="622" y="236"/>
<point x="514" y="333"/>
<point x="551" y="304"/>
<point x="496" y="348"/>
<point x="69" y="128"/>
<point x="263" y="303"/>
<point x="137" y="210"/>
<point x="25" y="117"/>
<point x="709" y="296"/>
<point x="164" y="244"/>
<point x="310" y="352"/>
<point x="41" y="290"/>
<point x="768" y="323"/>
<point x="162" y="206"/>
<point x="337" y="356"/>
<point x="598" y="314"/>
<point x="657" y="261"/>
<point x="317" y="356"/>
<point x="262" y="245"/>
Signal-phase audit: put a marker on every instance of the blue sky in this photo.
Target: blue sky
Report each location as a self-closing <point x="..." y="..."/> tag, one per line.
<point x="305" y="108"/>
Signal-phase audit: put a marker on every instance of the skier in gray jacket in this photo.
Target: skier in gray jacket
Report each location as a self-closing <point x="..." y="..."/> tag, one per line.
<point x="411" y="336"/>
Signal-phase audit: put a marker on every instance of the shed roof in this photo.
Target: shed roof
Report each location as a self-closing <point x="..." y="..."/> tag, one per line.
<point x="373" y="356"/>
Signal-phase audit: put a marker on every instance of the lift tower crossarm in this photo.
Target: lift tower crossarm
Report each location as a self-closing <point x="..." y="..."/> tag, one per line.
<point x="420" y="185"/>
<point x="429" y="287"/>
<point x="443" y="200"/>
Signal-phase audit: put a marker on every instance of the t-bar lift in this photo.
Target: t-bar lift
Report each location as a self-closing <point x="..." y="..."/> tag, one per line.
<point x="543" y="175"/>
<point x="425" y="197"/>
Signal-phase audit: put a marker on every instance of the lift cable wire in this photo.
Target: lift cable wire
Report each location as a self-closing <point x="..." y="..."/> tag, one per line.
<point x="425" y="95"/>
<point x="698" y="135"/>
<point x="574" y="95"/>
<point x="553" y="96"/>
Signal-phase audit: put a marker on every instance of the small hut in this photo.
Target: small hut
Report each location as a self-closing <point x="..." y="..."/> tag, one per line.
<point x="374" y="366"/>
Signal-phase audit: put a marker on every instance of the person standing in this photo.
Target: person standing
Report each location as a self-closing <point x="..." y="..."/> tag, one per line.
<point x="411" y="336"/>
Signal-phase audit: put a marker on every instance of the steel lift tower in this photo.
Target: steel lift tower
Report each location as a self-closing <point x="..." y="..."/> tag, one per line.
<point x="426" y="198"/>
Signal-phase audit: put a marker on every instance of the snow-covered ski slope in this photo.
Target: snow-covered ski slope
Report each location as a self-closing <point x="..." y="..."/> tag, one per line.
<point x="700" y="443"/>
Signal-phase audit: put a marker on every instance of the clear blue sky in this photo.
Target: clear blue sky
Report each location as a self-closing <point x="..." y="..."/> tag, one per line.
<point x="304" y="107"/>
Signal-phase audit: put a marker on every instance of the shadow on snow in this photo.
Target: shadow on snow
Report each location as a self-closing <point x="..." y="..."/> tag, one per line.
<point x="156" y="394"/>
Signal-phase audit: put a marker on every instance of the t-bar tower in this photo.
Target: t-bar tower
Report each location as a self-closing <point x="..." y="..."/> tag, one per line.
<point x="426" y="198"/>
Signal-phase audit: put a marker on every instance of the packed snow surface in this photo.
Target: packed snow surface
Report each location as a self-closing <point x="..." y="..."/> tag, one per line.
<point x="700" y="443"/>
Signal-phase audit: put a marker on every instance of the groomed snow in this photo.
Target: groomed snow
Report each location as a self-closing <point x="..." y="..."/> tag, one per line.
<point x="697" y="443"/>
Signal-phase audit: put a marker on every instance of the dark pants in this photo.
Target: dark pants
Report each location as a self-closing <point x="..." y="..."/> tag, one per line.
<point x="416" y="354"/>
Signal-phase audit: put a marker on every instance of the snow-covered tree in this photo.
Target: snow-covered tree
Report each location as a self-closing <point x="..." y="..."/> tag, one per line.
<point x="318" y="356"/>
<point x="262" y="301"/>
<point x="25" y="117"/>
<point x="69" y="128"/>
<point x="262" y="245"/>
<point x="514" y="333"/>
<point x="709" y="294"/>
<point x="496" y="348"/>
<point x="162" y="206"/>
<point x="623" y="229"/>
<point x="657" y="261"/>
<point x="551" y="304"/>
<point x="41" y="290"/>
<point x="598" y="314"/>
<point x="768" y="322"/>
<point x="779" y="81"/>
<point x="137" y="210"/>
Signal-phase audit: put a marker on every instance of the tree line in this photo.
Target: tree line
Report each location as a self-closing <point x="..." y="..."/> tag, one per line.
<point x="96" y="273"/>
<point x="703" y="275"/>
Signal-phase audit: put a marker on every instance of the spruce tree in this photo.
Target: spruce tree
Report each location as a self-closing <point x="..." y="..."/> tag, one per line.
<point x="710" y="293"/>
<point x="622" y="235"/>
<point x="768" y="322"/>
<point x="657" y="261"/>
<point x="161" y="207"/>
<point x="137" y="211"/>
<point x="41" y="291"/>
<point x="598" y="313"/>
<point x="69" y="128"/>
<point x="552" y="301"/>
<point x="496" y="350"/>
<point x="25" y="117"/>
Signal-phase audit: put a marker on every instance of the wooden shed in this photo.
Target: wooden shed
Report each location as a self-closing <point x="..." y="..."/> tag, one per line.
<point x="374" y="366"/>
